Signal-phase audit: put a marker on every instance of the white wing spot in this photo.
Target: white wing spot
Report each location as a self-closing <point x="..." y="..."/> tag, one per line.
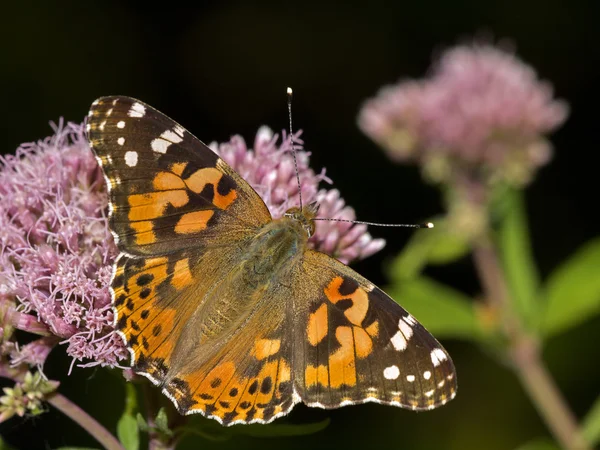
<point x="95" y="102"/>
<point x="88" y="127"/>
<point x="161" y="144"/>
<point x="137" y="110"/>
<point x="429" y="393"/>
<point x="102" y="126"/>
<point x="131" y="159"/>
<point x="406" y="329"/>
<point x="427" y="374"/>
<point x="398" y="341"/>
<point x="410" y="378"/>
<point x="121" y="124"/>
<point x="115" y="101"/>
<point x="410" y="320"/>
<point x="121" y="141"/>
<point x="179" y="130"/>
<point x="441" y="383"/>
<point x="391" y="373"/>
<point x="109" y="112"/>
<point x="437" y="356"/>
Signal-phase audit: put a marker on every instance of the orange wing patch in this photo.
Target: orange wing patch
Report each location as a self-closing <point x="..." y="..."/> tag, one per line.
<point x="360" y="300"/>
<point x="193" y="222"/>
<point x="354" y="339"/>
<point x="142" y="321"/>
<point x="263" y="348"/>
<point x="202" y="177"/>
<point x="317" y="325"/>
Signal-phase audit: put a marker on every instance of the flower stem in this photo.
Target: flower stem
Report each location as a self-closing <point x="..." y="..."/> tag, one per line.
<point x="87" y="422"/>
<point x="525" y="353"/>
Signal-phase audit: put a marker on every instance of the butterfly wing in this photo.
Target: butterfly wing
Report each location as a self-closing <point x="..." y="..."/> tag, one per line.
<point x="168" y="191"/>
<point x="180" y="216"/>
<point x="358" y="345"/>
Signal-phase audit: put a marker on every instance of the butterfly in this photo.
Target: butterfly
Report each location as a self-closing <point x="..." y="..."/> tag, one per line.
<point x="227" y="309"/>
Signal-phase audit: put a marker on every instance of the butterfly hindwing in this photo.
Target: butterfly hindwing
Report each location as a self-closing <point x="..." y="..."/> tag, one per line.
<point x="360" y="345"/>
<point x="167" y="189"/>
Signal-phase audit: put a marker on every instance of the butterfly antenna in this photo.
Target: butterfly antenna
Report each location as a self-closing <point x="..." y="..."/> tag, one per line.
<point x="289" y="104"/>
<point x="403" y="225"/>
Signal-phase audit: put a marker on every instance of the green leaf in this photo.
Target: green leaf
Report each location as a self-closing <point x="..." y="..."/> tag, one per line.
<point x="591" y="424"/>
<point x="257" y="430"/>
<point x="573" y="290"/>
<point x="519" y="266"/>
<point x="444" y="311"/>
<point x="539" y="444"/>
<point x="162" y="422"/>
<point x="141" y="422"/>
<point x="433" y="245"/>
<point x="128" y="432"/>
<point x="4" y="445"/>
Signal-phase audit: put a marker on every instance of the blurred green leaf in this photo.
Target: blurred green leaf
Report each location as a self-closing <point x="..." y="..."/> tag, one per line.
<point x="257" y="430"/>
<point x="519" y="265"/>
<point x="441" y="309"/>
<point x="127" y="427"/>
<point x="432" y="245"/>
<point x="162" y="422"/>
<point x="591" y="424"/>
<point x="539" y="444"/>
<point x="141" y="422"/>
<point x="4" y="445"/>
<point x="128" y="432"/>
<point x="573" y="290"/>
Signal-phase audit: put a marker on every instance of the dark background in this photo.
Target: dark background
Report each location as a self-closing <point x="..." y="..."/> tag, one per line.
<point x="221" y="68"/>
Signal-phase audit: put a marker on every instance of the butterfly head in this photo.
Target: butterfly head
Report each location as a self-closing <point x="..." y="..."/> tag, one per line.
<point x="305" y="216"/>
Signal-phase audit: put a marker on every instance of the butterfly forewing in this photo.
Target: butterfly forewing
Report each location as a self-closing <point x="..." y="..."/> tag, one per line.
<point x="166" y="187"/>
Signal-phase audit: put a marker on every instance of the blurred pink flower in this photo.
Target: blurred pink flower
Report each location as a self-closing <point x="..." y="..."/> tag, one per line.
<point x="55" y="248"/>
<point x="481" y="109"/>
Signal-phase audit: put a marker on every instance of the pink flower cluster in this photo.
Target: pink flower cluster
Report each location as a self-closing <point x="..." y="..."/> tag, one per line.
<point x="481" y="107"/>
<point x="56" y="251"/>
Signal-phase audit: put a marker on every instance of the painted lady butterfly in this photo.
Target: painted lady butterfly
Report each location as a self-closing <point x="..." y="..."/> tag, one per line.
<point x="227" y="309"/>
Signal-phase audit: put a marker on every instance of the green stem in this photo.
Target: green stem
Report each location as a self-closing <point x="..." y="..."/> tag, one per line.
<point x="526" y="355"/>
<point x="85" y="421"/>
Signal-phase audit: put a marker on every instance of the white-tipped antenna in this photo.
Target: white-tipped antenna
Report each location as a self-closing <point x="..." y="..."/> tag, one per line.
<point x="289" y="103"/>
<point x="403" y="225"/>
